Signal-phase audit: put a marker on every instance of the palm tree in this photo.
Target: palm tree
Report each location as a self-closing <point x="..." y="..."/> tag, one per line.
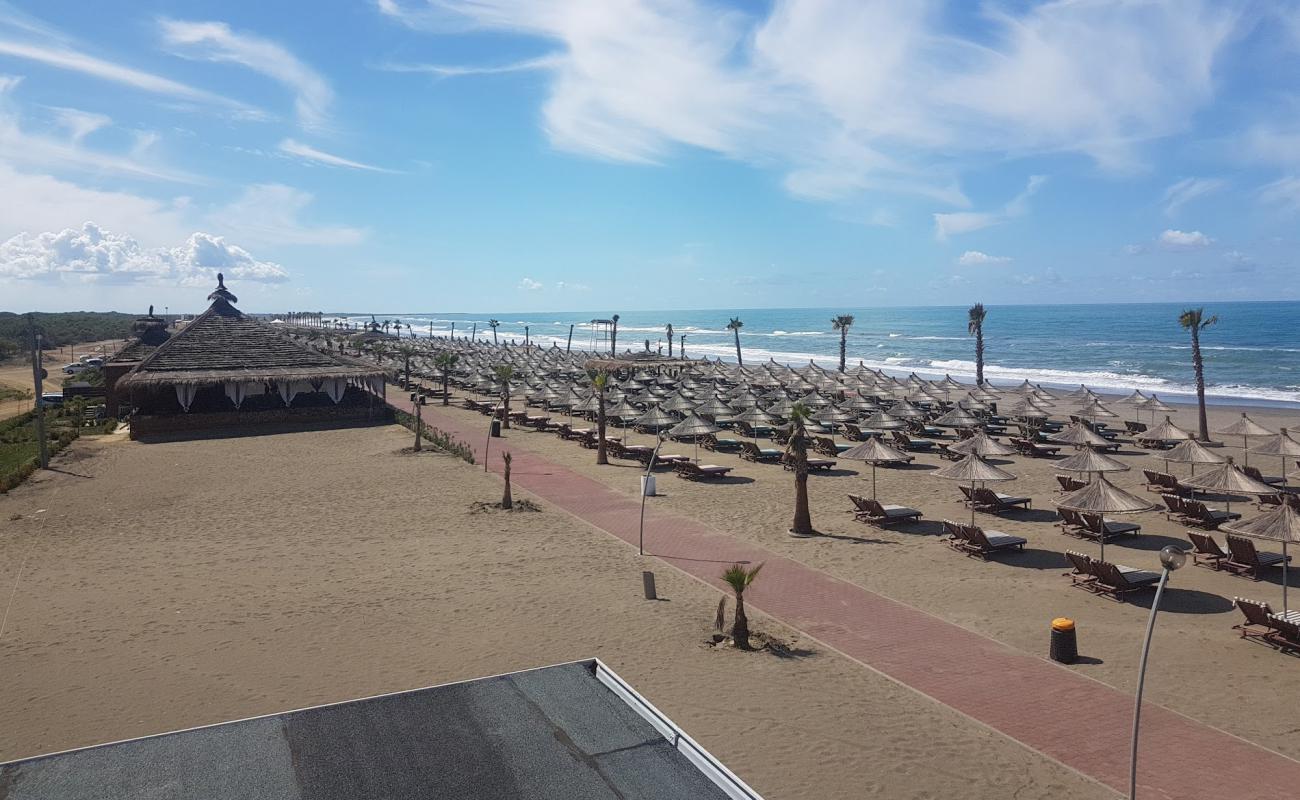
<point x="796" y="454"/>
<point x="975" y="326"/>
<point x="492" y="323"/>
<point x="507" y="502"/>
<point x="505" y="373"/>
<point x="669" y="329"/>
<point x="841" y="324"/>
<point x="445" y="362"/>
<point x="739" y="579"/>
<point x="407" y="351"/>
<point x="600" y="380"/>
<point x="613" y="337"/>
<point x="734" y="326"/>
<point x="1194" y="320"/>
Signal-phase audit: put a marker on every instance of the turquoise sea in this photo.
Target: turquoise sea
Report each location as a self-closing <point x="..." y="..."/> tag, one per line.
<point x="1252" y="355"/>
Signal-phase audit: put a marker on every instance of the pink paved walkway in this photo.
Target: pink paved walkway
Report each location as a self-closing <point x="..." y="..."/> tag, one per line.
<point x="1074" y="720"/>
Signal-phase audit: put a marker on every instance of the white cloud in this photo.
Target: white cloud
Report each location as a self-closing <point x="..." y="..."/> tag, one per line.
<point x="92" y="253"/>
<point x="80" y="124"/>
<point x="1187" y="190"/>
<point x="1282" y="194"/>
<point x="62" y="57"/>
<point x="460" y="71"/>
<point x="34" y="202"/>
<point x="530" y="285"/>
<point x="570" y="286"/>
<point x="1184" y="240"/>
<point x="215" y="41"/>
<point x="847" y="96"/>
<point x="972" y="258"/>
<point x="269" y="214"/>
<point x="295" y="148"/>
<point x="959" y="222"/>
<point x="1134" y="249"/>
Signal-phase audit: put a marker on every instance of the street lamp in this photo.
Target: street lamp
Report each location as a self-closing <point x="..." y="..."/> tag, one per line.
<point x="1171" y="558"/>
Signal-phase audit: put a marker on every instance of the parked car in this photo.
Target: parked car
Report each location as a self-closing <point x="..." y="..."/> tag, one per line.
<point x="51" y="399"/>
<point x="94" y="361"/>
<point x="73" y="369"/>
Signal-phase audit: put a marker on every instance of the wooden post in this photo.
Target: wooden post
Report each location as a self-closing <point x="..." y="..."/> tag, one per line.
<point x="42" y="445"/>
<point x="418" y="426"/>
<point x="568" y="348"/>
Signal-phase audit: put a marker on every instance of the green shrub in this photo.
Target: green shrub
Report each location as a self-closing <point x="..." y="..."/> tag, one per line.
<point x="439" y="439"/>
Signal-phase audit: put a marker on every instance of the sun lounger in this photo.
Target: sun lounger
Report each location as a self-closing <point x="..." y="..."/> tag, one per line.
<point x="946" y="452"/>
<point x="992" y="502"/>
<point x="1197" y="513"/>
<point x="1098" y="527"/>
<point x="1205" y="551"/>
<point x="699" y="472"/>
<point x="1118" y="581"/>
<point x="1069" y="484"/>
<point x="814" y="464"/>
<point x="827" y="447"/>
<point x="1259" y="623"/>
<point x="1135" y="428"/>
<point x="982" y="544"/>
<point x="764" y="455"/>
<point x="854" y="433"/>
<point x="1071" y="522"/>
<point x="1245" y="559"/>
<point x="1271" y="480"/>
<point x="906" y="442"/>
<point x="1027" y="447"/>
<point x="710" y="442"/>
<point x="1082" y="574"/>
<point x="876" y="513"/>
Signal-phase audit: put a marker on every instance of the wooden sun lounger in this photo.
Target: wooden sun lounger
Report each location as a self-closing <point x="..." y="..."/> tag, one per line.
<point x="1098" y="527"/>
<point x="1117" y="581"/>
<point x="699" y="472"/>
<point x="814" y="464"/>
<point x="875" y="513"/>
<point x="1197" y="513"/>
<point x="1245" y="559"/>
<point x="765" y="455"/>
<point x="993" y="502"/>
<point x="906" y="442"/>
<point x="975" y="541"/>
<point x="710" y="442"/>
<point x="1082" y="573"/>
<point x="1205" y="551"/>
<point x="1071" y="522"/>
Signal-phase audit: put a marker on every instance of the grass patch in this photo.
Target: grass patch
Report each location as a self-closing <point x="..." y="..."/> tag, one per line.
<point x="20" y="450"/>
<point x="438" y="439"/>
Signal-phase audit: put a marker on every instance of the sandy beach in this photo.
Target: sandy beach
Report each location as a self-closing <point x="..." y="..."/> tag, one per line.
<point x="161" y="586"/>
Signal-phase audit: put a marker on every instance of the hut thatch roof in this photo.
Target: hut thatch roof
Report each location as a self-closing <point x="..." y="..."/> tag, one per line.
<point x="222" y="344"/>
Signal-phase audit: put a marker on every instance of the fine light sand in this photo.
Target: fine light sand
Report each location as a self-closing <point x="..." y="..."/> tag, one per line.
<point x="151" y="587"/>
<point x="17" y="373"/>
<point x="1200" y="666"/>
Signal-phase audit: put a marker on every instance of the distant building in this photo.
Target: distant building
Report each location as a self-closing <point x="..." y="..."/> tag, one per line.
<point x="225" y="369"/>
<point x="568" y="732"/>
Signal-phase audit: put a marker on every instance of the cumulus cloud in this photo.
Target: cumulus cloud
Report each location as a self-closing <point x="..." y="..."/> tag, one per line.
<point x="973" y="258"/>
<point x="92" y="253"/>
<point x="1187" y="190"/>
<point x="1184" y="240"/>
<point x="530" y="285"/>
<point x="846" y="96"/>
<point x="215" y="41"/>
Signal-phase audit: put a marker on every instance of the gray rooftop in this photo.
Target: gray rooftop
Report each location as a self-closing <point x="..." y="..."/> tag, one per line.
<point x="555" y="732"/>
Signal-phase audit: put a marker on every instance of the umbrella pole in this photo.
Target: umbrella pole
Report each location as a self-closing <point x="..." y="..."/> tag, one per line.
<point x="873" y="483"/>
<point x="1284" y="577"/>
<point x="972" y="503"/>
<point x="1245" y="452"/>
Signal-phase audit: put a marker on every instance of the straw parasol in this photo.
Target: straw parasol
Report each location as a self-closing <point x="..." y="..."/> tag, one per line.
<point x="1156" y="406"/>
<point x="875" y="452"/>
<point x="981" y="444"/>
<point x="976" y="470"/>
<point x="1166" y="431"/>
<point x="832" y="415"/>
<point x="655" y="418"/>
<point x="958" y="418"/>
<point x="1090" y="461"/>
<point x="1281" y="445"/>
<point x="694" y="426"/>
<point x="905" y="410"/>
<point x="1245" y="428"/>
<point x="755" y="416"/>
<point x="1103" y="497"/>
<point x="1079" y="435"/>
<point x="1229" y="480"/>
<point x="1190" y="451"/>
<point x="1282" y="524"/>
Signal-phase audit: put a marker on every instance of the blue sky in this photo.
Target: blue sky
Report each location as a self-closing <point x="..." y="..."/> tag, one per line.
<point x="499" y="155"/>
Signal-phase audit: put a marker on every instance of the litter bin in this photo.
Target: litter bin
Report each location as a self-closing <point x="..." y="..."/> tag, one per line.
<point x="1065" y="645"/>
<point x="648" y="485"/>
<point x="496" y="429"/>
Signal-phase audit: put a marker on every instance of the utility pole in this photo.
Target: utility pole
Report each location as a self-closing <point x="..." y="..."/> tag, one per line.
<point x="37" y="374"/>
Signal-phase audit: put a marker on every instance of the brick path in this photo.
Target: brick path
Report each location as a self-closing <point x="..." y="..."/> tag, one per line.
<point x="1075" y="720"/>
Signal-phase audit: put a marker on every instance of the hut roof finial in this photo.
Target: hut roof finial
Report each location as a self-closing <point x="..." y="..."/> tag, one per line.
<point x="221" y="294"/>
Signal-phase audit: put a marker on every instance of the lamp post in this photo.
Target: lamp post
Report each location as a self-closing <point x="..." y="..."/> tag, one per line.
<point x="1171" y="558"/>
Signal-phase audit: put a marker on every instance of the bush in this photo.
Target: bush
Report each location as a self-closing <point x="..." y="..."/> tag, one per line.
<point x="439" y="439"/>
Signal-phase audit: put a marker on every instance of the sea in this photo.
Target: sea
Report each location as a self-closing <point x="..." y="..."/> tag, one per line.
<point x="1252" y="355"/>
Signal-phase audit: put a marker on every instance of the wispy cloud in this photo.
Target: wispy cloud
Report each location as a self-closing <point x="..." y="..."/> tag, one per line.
<point x="974" y="258"/>
<point x="1187" y="190"/>
<point x="1282" y="194"/>
<point x="530" y="285"/>
<point x="457" y="71"/>
<point x="63" y="57"/>
<point x="295" y="148"/>
<point x="216" y="42"/>
<point x="271" y="214"/>
<point x="854" y="96"/>
<point x="950" y="224"/>
<point x="1184" y="240"/>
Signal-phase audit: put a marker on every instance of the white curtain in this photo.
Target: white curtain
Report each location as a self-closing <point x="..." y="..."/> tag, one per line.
<point x="236" y="392"/>
<point x="291" y="389"/>
<point x="377" y="385"/>
<point x="185" y="395"/>
<point x="334" y="388"/>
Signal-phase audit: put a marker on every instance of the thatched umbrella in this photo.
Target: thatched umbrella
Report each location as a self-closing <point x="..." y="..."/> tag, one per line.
<point x="905" y="410"/>
<point x="694" y="426"/>
<point x="623" y="411"/>
<point x="1190" y="451"/>
<point x="1282" y="524"/>
<point x="974" y="469"/>
<point x="655" y="418"/>
<point x="958" y="418"/>
<point x="830" y="415"/>
<point x="1079" y="435"/>
<point x="1090" y="461"/>
<point x="1245" y="428"/>
<point x="1156" y="406"/>
<point x="1229" y="480"/>
<point x="678" y="402"/>
<point x="883" y="421"/>
<point x="714" y="408"/>
<point x="756" y="416"/>
<point x="981" y="444"/>
<point x="1281" y="445"/>
<point x="1166" y="431"/>
<point x="875" y="452"/>
<point x="1103" y="497"/>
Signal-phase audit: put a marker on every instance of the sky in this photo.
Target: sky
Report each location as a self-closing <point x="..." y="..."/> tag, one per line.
<point x="616" y="155"/>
